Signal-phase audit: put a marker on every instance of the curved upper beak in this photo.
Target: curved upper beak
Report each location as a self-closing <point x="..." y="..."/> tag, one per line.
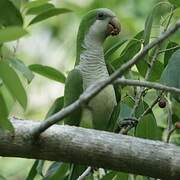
<point x="114" y="27"/>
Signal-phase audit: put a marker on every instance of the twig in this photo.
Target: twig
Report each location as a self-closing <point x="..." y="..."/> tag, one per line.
<point x="170" y="122"/>
<point x="169" y="134"/>
<point x="85" y="173"/>
<point x="170" y="128"/>
<point x="148" y="73"/>
<point x="169" y="19"/>
<point x="147" y="84"/>
<point x="97" y="87"/>
<point x="169" y="49"/>
<point x="15" y="49"/>
<point x="150" y="107"/>
<point x="149" y="70"/>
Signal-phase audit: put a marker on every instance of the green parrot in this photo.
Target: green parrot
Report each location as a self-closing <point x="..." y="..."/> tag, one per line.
<point x="90" y="67"/>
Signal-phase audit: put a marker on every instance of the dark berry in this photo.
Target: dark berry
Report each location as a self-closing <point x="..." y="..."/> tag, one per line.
<point x="177" y="125"/>
<point x="162" y="103"/>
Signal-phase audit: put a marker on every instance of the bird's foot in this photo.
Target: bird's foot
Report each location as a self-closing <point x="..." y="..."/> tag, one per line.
<point x="126" y="124"/>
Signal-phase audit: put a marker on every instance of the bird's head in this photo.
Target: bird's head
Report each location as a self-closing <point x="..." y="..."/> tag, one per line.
<point x="98" y="24"/>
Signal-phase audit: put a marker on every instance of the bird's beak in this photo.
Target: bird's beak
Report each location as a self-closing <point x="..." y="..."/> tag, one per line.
<point x="114" y="27"/>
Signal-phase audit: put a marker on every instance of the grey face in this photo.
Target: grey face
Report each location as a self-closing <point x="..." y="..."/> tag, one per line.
<point x="106" y="23"/>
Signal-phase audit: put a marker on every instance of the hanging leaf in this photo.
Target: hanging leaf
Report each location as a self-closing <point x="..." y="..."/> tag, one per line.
<point x="49" y="13"/>
<point x="157" y="71"/>
<point x="57" y="171"/>
<point x="4" y="121"/>
<point x="33" y="172"/>
<point x="147" y="128"/>
<point x="17" y="3"/>
<point x="114" y="48"/>
<point x="1" y="82"/>
<point x="22" y="68"/>
<point x="129" y="51"/>
<point x="148" y="27"/>
<point x="176" y="13"/>
<point x="33" y="4"/>
<point x="171" y="73"/>
<point x="40" y="9"/>
<point x="56" y="106"/>
<point x="125" y="111"/>
<point x="115" y="176"/>
<point x="175" y="2"/>
<point x="170" y="49"/>
<point x="48" y="72"/>
<point x="11" y="33"/>
<point x="13" y="83"/>
<point x="9" y="14"/>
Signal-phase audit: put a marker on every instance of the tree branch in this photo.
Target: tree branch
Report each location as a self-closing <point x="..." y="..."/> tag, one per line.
<point x="147" y="84"/>
<point x="97" y="87"/>
<point x="93" y="148"/>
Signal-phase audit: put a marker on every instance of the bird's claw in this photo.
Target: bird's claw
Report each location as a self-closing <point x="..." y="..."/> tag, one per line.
<point x="132" y="122"/>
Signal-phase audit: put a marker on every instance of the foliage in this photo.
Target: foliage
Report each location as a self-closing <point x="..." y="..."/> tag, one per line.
<point x="16" y="20"/>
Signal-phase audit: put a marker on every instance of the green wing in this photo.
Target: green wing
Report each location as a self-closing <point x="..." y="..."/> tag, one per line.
<point x="73" y="89"/>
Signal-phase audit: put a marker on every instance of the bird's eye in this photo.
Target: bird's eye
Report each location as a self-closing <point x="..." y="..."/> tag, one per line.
<point x="100" y="16"/>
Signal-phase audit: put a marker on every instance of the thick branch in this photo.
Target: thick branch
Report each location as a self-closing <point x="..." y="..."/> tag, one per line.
<point x="93" y="148"/>
<point x="97" y="87"/>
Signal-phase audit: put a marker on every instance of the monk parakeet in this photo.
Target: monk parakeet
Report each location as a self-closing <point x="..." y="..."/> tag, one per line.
<point x="90" y="67"/>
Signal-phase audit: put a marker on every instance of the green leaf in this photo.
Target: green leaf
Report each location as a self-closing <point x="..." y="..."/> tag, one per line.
<point x="1" y="82"/>
<point x="121" y="175"/>
<point x="176" y="13"/>
<point x="173" y="47"/>
<point x="114" y="48"/>
<point x="148" y="27"/>
<point x="175" y="2"/>
<point x="9" y="14"/>
<point x="36" y="169"/>
<point x="129" y="51"/>
<point x="157" y="71"/>
<point x="4" y="121"/>
<point x="49" y="13"/>
<point x="142" y="66"/>
<point x="141" y="178"/>
<point x="48" y="72"/>
<point x="11" y="33"/>
<point x="125" y="111"/>
<point x="13" y="83"/>
<point x="171" y="74"/>
<point x="56" y="106"/>
<point x="22" y="68"/>
<point x="33" y="172"/>
<point x="36" y="3"/>
<point x="40" y="9"/>
<point x="147" y="128"/>
<point x="57" y="171"/>
<point x="115" y="176"/>
<point x="2" y="177"/>
<point x="175" y="139"/>
<point x="110" y="175"/>
<point x="17" y="3"/>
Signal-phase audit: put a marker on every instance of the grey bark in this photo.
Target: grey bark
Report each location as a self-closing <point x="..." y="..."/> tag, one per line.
<point x="93" y="148"/>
